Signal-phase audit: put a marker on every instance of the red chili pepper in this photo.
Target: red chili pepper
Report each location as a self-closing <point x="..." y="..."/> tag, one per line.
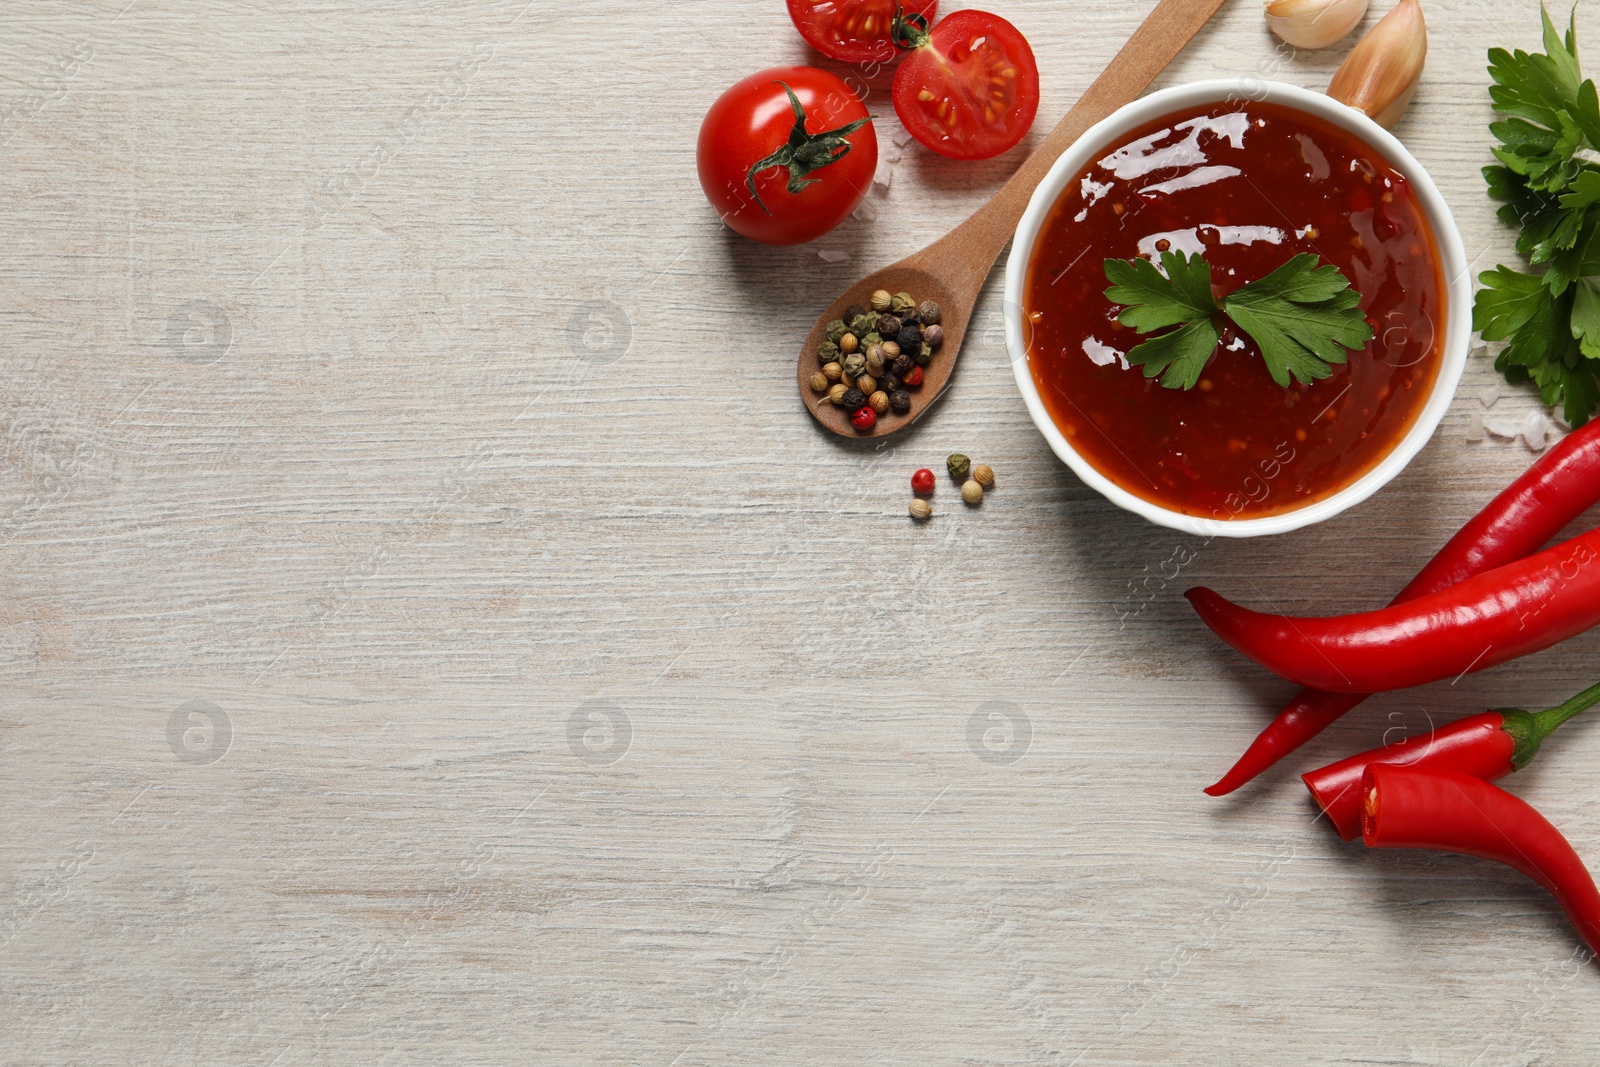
<point x="1403" y="807"/>
<point x="1511" y="611"/>
<point x="1488" y="746"/>
<point x="1561" y="485"/>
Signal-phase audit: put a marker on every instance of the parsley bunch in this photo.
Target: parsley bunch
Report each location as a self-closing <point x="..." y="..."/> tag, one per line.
<point x="1301" y="316"/>
<point x="1550" y="320"/>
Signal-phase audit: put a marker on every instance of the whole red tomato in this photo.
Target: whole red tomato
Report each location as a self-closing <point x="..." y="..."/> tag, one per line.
<point x="786" y="154"/>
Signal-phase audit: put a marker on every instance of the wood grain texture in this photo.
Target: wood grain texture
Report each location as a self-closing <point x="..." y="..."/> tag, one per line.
<point x="430" y="635"/>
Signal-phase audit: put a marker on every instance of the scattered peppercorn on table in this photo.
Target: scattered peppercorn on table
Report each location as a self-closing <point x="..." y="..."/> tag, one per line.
<point x="434" y="632"/>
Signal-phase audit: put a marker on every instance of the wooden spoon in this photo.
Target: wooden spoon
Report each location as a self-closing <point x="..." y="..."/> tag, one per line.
<point x="952" y="270"/>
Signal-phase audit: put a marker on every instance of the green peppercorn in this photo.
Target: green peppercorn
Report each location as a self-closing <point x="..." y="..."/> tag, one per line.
<point x="959" y="466"/>
<point x="880" y="300"/>
<point x="929" y="311"/>
<point x="855" y="364"/>
<point x="836" y="329"/>
<point x="827" y="352"/>
<point x="901" y="302"/>
<point x="899" y="401"/>
<point x="853" y="399"/>
<point x="923" y="358"/>
<point x="870" y="339"/>
<point x="862" y="325"/>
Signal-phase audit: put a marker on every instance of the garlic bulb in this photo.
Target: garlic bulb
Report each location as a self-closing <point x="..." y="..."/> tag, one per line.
<point x="1313" y="23"/>
<point x="1380" y="74"/>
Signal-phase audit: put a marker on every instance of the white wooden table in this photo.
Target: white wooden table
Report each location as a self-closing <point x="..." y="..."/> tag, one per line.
<point x="429" y="634"/>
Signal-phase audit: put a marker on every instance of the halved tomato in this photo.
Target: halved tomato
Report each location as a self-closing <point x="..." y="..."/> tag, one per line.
<point x="855" y="31"/>
<point x="970" y="87"/>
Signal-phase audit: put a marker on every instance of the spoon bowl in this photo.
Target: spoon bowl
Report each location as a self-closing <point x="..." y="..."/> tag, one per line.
<point x="902" y="277"/>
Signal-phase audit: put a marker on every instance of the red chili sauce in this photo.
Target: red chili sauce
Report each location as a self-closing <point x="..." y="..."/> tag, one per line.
<point x="1249" y="185"/>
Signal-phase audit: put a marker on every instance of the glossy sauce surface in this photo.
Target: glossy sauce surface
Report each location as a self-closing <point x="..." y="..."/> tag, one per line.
<point x="1248" y="185"/>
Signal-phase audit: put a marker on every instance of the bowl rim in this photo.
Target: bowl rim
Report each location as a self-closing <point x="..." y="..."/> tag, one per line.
<point x="1447" y="241"/>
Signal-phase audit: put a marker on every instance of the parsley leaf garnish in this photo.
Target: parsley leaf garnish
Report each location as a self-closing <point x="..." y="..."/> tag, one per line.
<point x="1550" y="320"/>
<point x="1302" y="317"/>
<point x="1181" y="297"/>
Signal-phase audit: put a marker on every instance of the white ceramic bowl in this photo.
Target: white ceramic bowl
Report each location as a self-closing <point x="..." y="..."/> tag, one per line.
<point x="1447" y="239"/>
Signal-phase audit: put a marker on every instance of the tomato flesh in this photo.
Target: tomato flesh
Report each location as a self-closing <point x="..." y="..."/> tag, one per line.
<point x="972" y="90"/>
<point x="854" y="31"/>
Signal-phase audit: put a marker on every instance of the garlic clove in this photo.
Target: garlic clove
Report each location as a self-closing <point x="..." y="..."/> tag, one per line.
<point x="1313" y="23"/>
<point x="1380" y="74"/>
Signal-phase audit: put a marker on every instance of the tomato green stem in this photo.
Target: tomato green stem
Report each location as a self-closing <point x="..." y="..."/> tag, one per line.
<point x="908" y="32"/>
<point x="1529" y="729"/>
<point x="804" y="152"/>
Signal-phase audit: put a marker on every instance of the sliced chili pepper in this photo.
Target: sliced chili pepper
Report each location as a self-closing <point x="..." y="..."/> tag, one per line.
<point x="1406" y="807"/>
<point x="1511" y="611"/>
<point x="1488" y="746"/>
<point x="1561" y="485"/>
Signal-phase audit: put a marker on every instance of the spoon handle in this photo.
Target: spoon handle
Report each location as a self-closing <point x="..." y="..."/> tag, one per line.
<point x="967" y="253"/>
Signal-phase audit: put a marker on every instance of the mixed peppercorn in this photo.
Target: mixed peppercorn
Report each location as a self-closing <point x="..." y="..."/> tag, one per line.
<point x="873" y="357"/>
<point x="973" y="480"/>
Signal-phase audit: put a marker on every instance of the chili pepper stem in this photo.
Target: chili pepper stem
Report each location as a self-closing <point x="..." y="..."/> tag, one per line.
<point x="1529" y="729"/>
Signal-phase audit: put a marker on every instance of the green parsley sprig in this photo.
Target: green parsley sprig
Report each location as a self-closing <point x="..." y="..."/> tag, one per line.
<point x="1549" y="320"/>
<point x="1302" y="317"/>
